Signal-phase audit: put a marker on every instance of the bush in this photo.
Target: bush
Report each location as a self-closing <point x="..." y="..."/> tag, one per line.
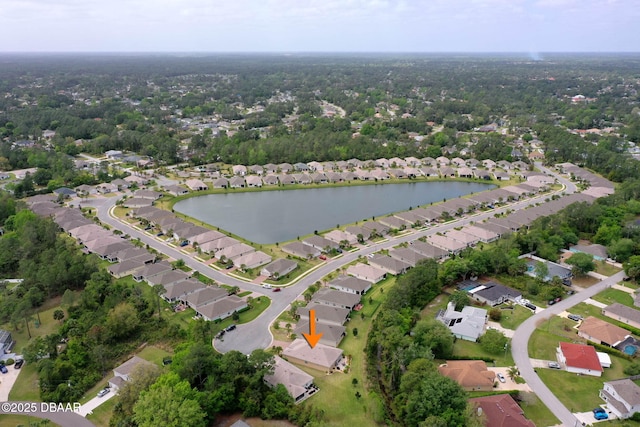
<point x="9" y="362"/>
<point x="495" y="314"/>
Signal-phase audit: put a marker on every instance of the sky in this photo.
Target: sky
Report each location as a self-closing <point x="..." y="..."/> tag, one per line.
<point x="532" y="26"/>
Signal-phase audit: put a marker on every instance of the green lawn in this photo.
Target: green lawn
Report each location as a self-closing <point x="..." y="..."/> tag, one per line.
<point x="465" y="348"/>
<point x="511" y="319"/>
<point x="48" y="326"/>
<point x="580" y="392"/>
<point x="153" y="354"/>
<point x="26" y="386"/>
<point x="545" y="339"/>
<point x="537" y="411"/>
<point x="610" y="296"/>
<point x="102" y="414"/>
<point x="607" y="269"/>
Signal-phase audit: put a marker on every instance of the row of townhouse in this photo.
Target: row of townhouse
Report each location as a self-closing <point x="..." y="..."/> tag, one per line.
<point x="209" y="302"/>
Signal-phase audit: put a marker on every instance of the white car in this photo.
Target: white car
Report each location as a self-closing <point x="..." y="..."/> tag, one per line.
<point x="104" y="392"/>
<point x="501" y="378"/>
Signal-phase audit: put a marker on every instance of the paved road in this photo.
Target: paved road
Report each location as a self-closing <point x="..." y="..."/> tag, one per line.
<point x="44" y="411"/>
<point x="92" y="404"/>
<point x="256" y="334"/>
<point x="519" y="348"/>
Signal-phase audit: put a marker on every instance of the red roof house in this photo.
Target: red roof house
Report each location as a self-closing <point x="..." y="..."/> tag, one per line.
<point x="501" y="411"/>
<point x="580" y="359"/>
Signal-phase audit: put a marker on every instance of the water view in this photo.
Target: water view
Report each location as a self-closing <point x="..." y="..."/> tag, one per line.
<point x="277" y="216"/>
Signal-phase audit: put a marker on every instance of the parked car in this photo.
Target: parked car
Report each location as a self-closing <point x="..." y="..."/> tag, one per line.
<point x="266" y="286"/>
<point x="551" y="302"/>
<point x="531" y="306"/>
<point x="277" y="289"/>
<point x="323" y="257"/>
<point x="3" y="369"/>
<point x="230" y="328"/>
<point x="183" y="243"/>
<point x="571" y="292"/>
<point x="501" y="378"/>
<point x="19" y="363"/>
<point x="104" y="392"/>
<point x="220" y="334"/>
<point x="600" y="414"/>
<point x="575" y="317"/>
<point x="160" y="234"/>
<point x="554" y="365"/>
<point x="167" y="361"/>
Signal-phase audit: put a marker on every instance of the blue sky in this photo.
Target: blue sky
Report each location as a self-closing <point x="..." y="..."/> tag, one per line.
<point x="319" y="25"/>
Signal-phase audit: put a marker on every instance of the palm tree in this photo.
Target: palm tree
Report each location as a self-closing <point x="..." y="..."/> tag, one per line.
<point x="513" y="373"/>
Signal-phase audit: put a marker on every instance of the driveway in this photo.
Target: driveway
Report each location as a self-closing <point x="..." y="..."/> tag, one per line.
<point x="519" y="348"/>
<point x="256" y="334"/>
<point x="509" y="384"/>
<point x="88" y="407"/>
<point x="6" y="382"/>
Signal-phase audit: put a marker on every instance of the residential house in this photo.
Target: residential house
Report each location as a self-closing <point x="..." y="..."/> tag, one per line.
<point x="394" y="223"/>
<point x="6" y="342"/>
<point x="298" y="383"/>
<point x="321" y="357"/>
<point x="339" y="237"/>
<point x="579" y="359"/>
<point x="623" y="314"/>
<point x="136" y="202"/>
<point x="254" y="181"/>
<point x="285" y="167"/>
<point x="489" y="164"/>
<point x="462" y="237"/>
<point x="467" y="324"/>
<point x="443" y="161"/>
<point x="500" y="411"/>
<point x="332" y="335"/>
<point x="300" y="250"/>
<point x="222" y="308"/>
<point x="176" y="190"/>
<point x="350" y="284"/>
<point x="196" y="184"/>
<point x="252" y="260"/>
<point x="239" y="170"/>
<point x="325" y="313"/>
<point x="167" y="278"/>
<point x="237" y="182"/>
<point x="366" y="272"/>
<point x="204" y="296"/>
<point x="279" y="268"/>
<point x="622" y="397"/>
<point x="358" y="232"/>
<point x="234" y="251"/>
<point x="150" y="270"/>
<point x="601" y="332"/>
<point x="206" y="236"/>
<point x="147" y="194"/>
<point x="123" y="372"/>
<point x="492" y="293"/>
<point x="407" y="255"/>
<point x="214" y="246"/>
<point x="390" y="265"/>
<point x="599" y="252"/>
<point x="270" y="180"/>
<point x="125" y="268"/>
<point x="221" y="183"/>
<point x="472" y="375"/>
<point x="427" y="250"/>
<point x="482" y="234"/>
<point x="447" y="243"/>
<point x="335" y="298"/>
<point x="256" y="169"/>
<point x="320" y="243"/>
<point x="375" y="226"/>
<point x="178" y="291"/>
<point x="301" y="167"/>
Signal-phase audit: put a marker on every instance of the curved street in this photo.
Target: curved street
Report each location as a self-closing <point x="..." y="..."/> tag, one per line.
<point x="520" y="352"/>
<point x="256" y="334"/>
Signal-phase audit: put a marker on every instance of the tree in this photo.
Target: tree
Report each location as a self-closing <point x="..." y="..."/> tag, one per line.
<point x="460" y="299"/>
<point x="158" y="290"/>
<point x="493" y="341"/>
<point x="621" y="249"/>
<point x="495" y="314"/>
<point x="541" y="270"/>
<point x="58" y="315"/>
<point x="355" y="332"/>
<point x="122" y="321"/>
<point x="171" y="405"/>
<point x="632" y="267"/>
<point x="513" y="372"/>
<point x="140" y="379"/>
<point x="582" y="263"/>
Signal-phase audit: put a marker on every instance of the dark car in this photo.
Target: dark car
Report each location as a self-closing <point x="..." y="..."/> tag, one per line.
<point x="551" y="302"/>
<point x="3" y="369"/>
<point x="230" y="328"/>
<point x="19" y="363"/>
<point x="574" y="317"/>
<point x="277" y="289"/>
<point x="160" y="234"/>
<point x="183" y="243"/>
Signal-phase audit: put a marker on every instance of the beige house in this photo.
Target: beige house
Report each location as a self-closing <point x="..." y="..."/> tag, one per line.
<point x="321" y="357"/>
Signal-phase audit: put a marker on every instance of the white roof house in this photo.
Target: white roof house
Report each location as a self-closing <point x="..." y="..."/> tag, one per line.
<point x="467" y="324"/>
<point x="366" y="272"/>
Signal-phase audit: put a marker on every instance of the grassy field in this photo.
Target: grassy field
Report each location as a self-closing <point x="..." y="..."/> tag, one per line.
<point x="465" y="348"/>
<point x="607" y="269"/>
<point x="580" y="392"/>
<point x="102" y="414"/>
<point x="537" y="411"/>
<point x="47" y="326"/>
<point x="511" y="319"/>
<point x="545" y="339"/>
<point x="26" y="386"/>
<point x="610" y="296"/>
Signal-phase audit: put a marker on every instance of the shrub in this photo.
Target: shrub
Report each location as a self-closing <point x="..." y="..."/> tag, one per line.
<point x="9" y="362"/>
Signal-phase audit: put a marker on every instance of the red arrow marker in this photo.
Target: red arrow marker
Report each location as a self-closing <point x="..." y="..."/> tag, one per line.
<point x="312" y="338"/>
